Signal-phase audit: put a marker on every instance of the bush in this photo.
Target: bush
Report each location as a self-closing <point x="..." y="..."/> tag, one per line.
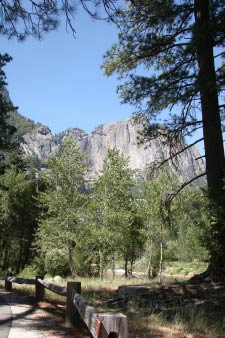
<point x="56" y="262"/>
<point x="29" y="271"/>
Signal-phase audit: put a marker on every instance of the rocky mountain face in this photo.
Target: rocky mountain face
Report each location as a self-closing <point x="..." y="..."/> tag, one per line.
<point x="121" y="135"/>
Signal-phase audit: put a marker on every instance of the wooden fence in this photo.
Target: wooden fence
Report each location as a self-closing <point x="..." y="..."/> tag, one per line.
<point x="100" y="325"/>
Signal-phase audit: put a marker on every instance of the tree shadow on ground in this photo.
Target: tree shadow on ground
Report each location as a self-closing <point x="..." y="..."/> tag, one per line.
<point x="175" y="311"/>
<point x="42" y="316"/>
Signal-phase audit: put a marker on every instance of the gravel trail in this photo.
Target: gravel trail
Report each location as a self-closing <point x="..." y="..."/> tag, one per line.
<point x="21" y="317"/>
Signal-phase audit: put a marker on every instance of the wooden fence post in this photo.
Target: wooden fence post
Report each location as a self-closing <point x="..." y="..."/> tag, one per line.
<point x="72" y="315"/>
<point x="39" y="289"/>
<point x="8" y="285"/>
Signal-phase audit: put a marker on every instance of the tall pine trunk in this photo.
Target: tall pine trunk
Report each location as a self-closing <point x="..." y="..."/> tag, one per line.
<point x="213" y="140"/>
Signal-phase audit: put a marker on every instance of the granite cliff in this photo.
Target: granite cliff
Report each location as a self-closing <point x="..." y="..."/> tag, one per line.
<point x="120" y="134"/>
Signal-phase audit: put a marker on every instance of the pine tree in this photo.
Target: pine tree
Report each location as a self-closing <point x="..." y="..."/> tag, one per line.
<point x="6" y="129"/>
<point x="35" y="18"/>
<point x="175" y="44"/>
<point x="18" y="212"/>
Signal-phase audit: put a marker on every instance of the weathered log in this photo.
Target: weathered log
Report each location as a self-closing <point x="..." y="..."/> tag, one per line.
<point x="132" y="290"/>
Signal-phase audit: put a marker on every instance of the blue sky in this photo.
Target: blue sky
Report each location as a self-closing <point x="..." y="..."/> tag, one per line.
<point x="58" y="81"/>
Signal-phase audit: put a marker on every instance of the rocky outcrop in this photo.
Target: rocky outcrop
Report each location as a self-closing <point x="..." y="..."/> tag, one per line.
<point x="121" y="135"/>
<point x="39" y="143"/>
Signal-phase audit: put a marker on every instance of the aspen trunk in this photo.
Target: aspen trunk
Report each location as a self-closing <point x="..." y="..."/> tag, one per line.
<point x="71" y="262"/>
<point x="161" y="256"/>
<point x="113" y="265"/>
<point x="125" y="267"/>
<point x="100" y="265"/>
<point x="150" y="267"/>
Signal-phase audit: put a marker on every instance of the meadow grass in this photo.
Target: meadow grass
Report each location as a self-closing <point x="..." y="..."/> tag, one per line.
<point x="185" y="268"/>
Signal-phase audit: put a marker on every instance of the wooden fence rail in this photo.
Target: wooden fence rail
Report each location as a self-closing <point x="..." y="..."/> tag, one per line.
<point x="100" y="325"/>
<point x="60" y="290"/>
<point x="104" y="324"/>
<point x="18" y="280"/>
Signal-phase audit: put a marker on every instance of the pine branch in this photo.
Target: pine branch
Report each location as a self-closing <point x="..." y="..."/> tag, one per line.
<point x="216" y="56"/>
<point x="163" y="162"/>
<point x="200" y="157"/>
<point x="185" y="184"/>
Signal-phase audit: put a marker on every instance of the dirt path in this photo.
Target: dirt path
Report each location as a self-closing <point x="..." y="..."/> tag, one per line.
<point x="21" y="317"/>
